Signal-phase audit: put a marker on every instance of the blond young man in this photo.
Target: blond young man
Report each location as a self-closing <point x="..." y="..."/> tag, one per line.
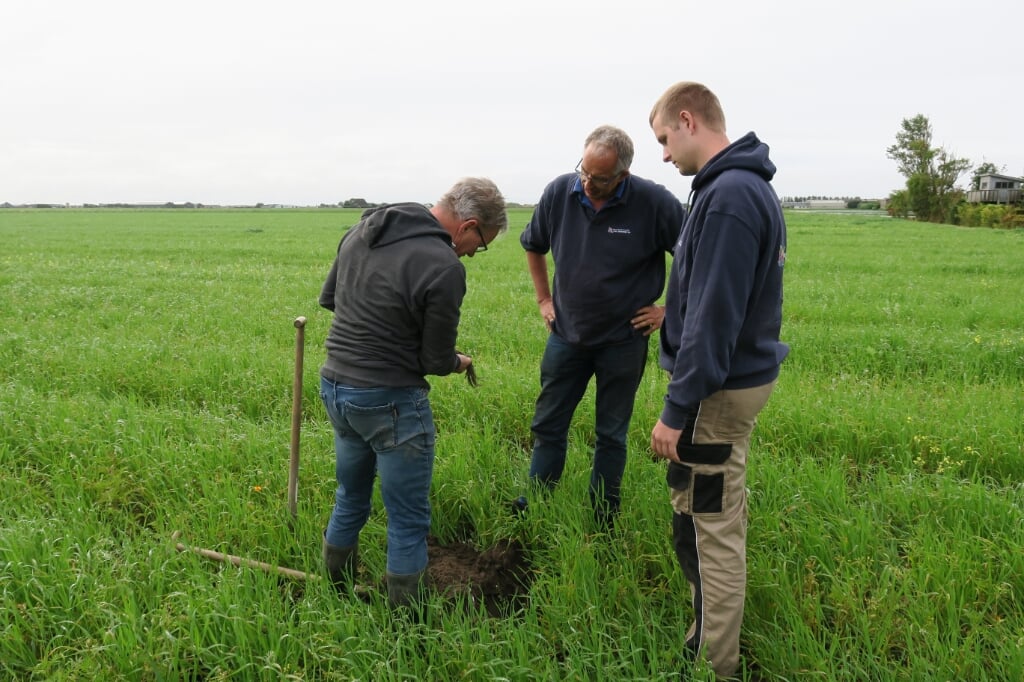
<point x="720" y="344"/>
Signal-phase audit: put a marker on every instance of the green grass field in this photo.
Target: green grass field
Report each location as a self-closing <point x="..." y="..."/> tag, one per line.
<point x="146" y="367"/>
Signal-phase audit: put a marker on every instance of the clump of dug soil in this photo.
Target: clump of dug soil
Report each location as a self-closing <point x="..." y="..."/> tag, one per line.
<point x="497" y="577"/>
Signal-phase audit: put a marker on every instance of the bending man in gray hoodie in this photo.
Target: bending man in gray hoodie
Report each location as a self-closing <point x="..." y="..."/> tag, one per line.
<point x="395" y="288"/>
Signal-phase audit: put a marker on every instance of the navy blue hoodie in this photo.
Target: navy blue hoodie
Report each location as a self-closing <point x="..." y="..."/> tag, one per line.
<point x="723" y="305"/>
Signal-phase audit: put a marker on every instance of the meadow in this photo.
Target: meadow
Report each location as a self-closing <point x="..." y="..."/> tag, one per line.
<point x="146" y="368"/>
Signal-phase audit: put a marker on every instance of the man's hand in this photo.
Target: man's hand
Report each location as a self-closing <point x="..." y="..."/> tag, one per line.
<point x="648" y="318"/>
<point x="466" y="367"/>
<point x="547" y="311"/>
<point x="664" y="440"/>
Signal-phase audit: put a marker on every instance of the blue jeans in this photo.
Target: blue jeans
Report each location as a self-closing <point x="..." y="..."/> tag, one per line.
<point x="565" y="371"/>
<point x="388" y="432"/>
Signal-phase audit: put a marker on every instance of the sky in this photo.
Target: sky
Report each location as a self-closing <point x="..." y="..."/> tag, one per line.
<point x="314" y="101"/>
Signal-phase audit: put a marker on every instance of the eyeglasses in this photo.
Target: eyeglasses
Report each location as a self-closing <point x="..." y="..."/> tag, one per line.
<point x="593" y="179"/>
<point x="483" y="243"/>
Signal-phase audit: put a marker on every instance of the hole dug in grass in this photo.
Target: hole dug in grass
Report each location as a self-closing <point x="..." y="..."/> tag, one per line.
<point x="497" y="577"/>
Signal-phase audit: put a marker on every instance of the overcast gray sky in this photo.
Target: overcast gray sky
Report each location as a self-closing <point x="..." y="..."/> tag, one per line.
<point x="310" y="101"/>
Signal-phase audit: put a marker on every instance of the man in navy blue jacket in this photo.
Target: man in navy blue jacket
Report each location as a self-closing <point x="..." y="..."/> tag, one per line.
<point x="720" y="343"/>
<point x="608" y="232"/>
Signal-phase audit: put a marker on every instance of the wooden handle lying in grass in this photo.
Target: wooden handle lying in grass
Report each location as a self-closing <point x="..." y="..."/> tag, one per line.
<point x="241" y="561"/>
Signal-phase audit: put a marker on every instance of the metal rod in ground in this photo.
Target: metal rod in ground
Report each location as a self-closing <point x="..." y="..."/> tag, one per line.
<point x="242" y="561"/>
<point x="293" y="465"/>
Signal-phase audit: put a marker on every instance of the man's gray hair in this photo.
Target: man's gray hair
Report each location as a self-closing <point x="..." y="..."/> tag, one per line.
<point x="615" y="139"/>
<point x="477" y="198"/>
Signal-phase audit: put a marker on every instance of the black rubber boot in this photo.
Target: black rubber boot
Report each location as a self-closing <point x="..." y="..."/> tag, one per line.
<point x="341" y="563"/>
<point x="605" y="511"/>
<point x="406" y="591"/>
<point x="519" y="505"/>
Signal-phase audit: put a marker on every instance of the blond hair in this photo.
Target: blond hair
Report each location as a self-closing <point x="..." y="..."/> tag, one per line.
<point x="693" y="97"/>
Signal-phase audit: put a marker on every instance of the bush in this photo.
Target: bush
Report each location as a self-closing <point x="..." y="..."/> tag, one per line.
<point x="988" y="215"/>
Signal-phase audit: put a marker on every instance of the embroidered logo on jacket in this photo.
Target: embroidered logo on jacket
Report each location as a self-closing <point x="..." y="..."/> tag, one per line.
<point x="619" y="230"/>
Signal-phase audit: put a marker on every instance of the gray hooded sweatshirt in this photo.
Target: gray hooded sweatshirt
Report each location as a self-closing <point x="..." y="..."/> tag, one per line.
<point x="395" y="288"/>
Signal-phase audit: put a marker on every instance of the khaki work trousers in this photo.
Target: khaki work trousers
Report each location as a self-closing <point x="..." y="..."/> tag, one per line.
<point x="709" y="524"/>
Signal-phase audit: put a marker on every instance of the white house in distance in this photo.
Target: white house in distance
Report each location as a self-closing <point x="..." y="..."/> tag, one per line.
<point x="996" y="189"/>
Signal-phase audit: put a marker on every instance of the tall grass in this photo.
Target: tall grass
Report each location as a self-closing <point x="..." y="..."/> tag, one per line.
<point x="146" y="362"/>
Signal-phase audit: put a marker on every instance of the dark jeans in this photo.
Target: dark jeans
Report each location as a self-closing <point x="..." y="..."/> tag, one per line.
<point x="387" y="433"/>
<point x="565" y="371"/>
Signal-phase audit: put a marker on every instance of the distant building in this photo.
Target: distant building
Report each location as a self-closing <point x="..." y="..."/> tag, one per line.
<point x="811" y="204"/>
<point x="996" y="189"/>
<point x="830" y="204"/>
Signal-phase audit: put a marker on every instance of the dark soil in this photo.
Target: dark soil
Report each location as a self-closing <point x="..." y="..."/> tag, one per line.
<point x="497" y="577"/>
